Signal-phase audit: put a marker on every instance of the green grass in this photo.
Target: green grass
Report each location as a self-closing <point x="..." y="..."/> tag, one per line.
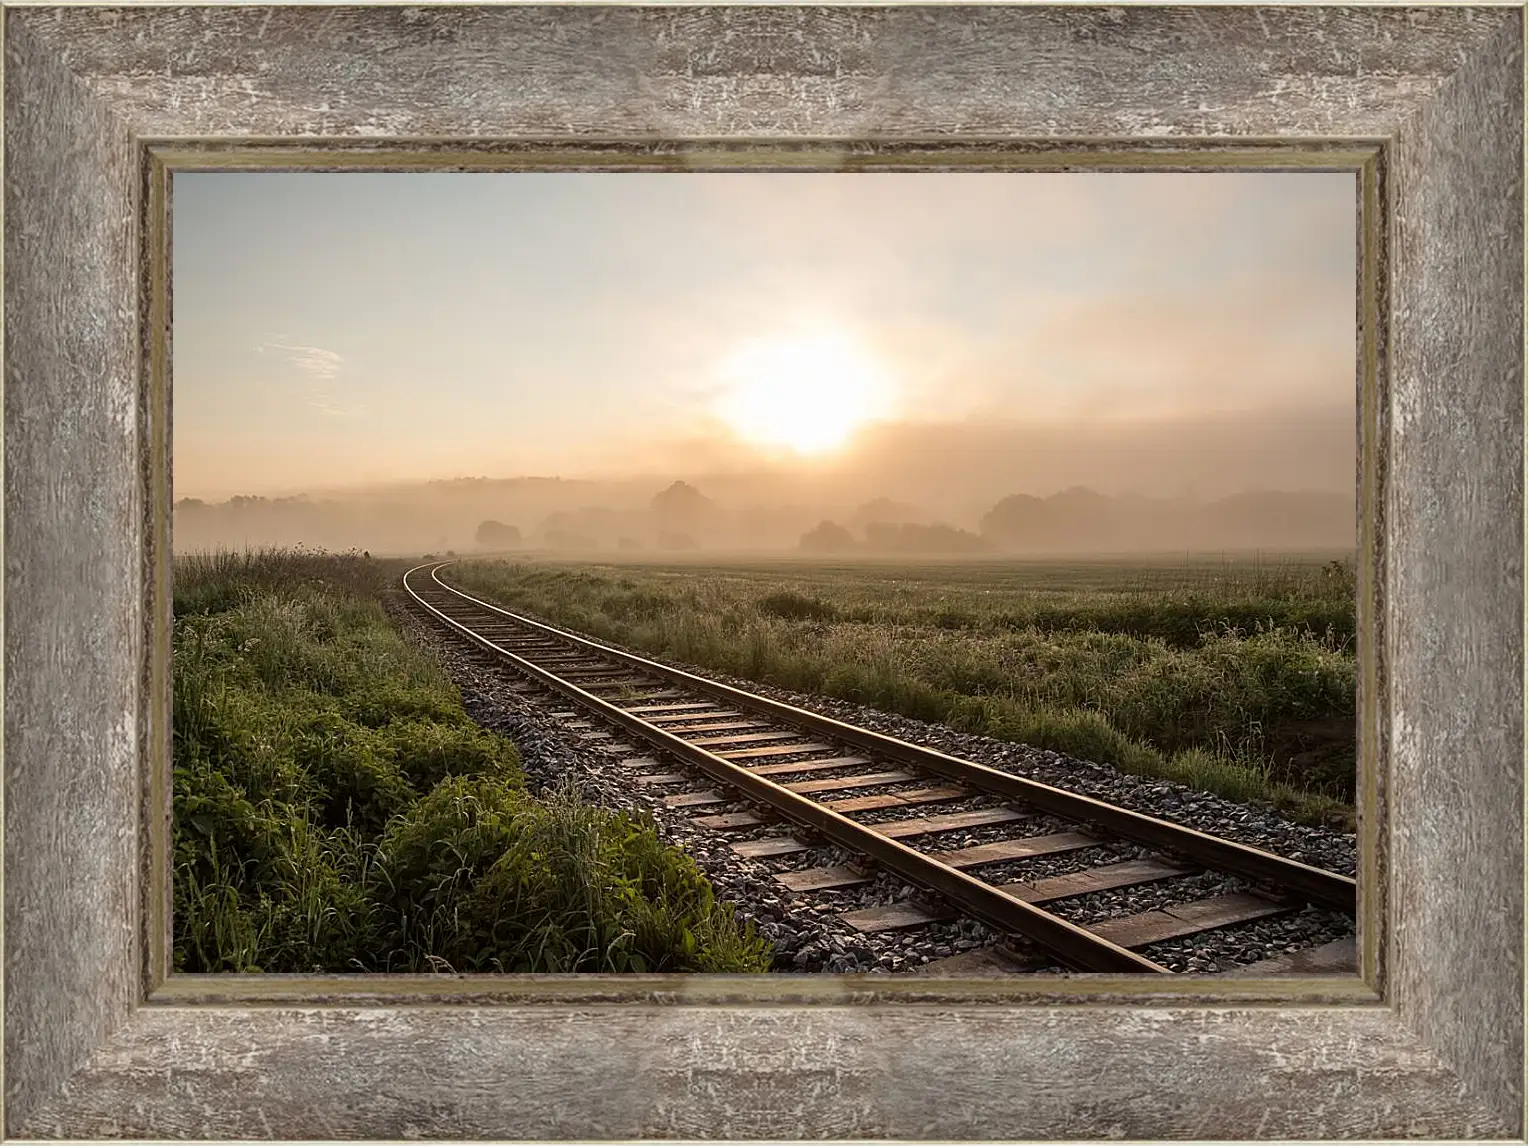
<point x="335" y="809"/>
<point x="1234" y="676"/>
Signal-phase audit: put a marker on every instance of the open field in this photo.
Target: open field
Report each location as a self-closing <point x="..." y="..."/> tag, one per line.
<point x="335" y="809"/>
<point x="1232" y="674"/>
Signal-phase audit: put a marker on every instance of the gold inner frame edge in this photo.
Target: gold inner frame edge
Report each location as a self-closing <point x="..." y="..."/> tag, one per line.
<point x="162" y="158"/>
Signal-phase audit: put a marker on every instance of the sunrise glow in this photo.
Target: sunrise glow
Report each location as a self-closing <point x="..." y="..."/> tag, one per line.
<point x="807" y="393"/>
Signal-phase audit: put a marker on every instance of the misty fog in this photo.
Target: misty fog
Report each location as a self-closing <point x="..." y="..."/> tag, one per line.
<point x="1255" y="482"/>
<point x="867" y="363"/>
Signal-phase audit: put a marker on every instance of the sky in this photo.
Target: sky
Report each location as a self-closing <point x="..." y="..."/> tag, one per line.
<point x="334" y="330"/>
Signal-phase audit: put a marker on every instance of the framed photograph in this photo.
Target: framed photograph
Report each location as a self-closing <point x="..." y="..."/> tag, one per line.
<point x="771" y="422"/>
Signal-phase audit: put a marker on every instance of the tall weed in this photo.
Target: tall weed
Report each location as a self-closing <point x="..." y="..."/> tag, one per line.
<point x="335" y="809"/>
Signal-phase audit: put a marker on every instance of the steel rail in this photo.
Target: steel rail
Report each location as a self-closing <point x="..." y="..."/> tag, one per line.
<point x="1313" y="883"/>
<point x="1073" y="945"/>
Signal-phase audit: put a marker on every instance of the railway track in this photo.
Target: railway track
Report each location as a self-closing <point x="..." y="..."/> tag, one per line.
<point x="802" y="778"/>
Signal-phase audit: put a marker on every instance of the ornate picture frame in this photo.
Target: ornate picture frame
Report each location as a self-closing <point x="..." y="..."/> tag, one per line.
<point x="104" y="104"/>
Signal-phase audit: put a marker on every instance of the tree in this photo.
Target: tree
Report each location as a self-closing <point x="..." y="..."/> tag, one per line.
<point x="1078" y="518"/>
<point x="827" y="537"/>
<point x="683" y="509"/>
<point x="676" y="541"/>
<point x="1018" y="519"/>
<point x="909" y="538"/>
<point x="497" y="535"/>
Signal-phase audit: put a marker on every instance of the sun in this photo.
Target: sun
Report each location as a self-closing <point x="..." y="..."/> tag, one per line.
<point x="807" y="393"/>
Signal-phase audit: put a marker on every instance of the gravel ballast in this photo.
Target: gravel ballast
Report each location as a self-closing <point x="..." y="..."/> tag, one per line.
<point x="804" y="928"/>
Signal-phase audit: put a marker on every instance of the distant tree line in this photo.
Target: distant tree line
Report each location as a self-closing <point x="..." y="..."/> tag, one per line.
<point x="887" y="537"/>
<point x="1083" y="520"/>
<point x="680" y="518"/>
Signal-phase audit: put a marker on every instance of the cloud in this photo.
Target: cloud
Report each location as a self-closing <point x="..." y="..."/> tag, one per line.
<point x="321" y="366"/>
<point x="313" y="360"/>
<point x="325" y="405"/>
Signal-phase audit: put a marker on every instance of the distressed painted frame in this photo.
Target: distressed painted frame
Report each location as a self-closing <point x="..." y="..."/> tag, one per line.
<point x="103" y="104"/>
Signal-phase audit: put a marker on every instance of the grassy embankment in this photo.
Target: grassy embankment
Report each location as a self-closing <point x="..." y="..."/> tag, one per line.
<point x="1236" y="677"/>
<point x="336" y="809"/>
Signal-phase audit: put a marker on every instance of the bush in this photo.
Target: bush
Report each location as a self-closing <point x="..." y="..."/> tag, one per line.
<point x="305" y="729"/>
<point x="353" y="769"/>
<point x="395" y="702"/>
<point x="429" y="751"/>
<point x="498" y="882"/>
<point x="790" y="605"/>
<point x="258" y="888"/>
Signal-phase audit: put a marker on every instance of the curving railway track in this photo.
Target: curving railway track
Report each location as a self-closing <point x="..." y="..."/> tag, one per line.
<point x="796" y="779"/>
